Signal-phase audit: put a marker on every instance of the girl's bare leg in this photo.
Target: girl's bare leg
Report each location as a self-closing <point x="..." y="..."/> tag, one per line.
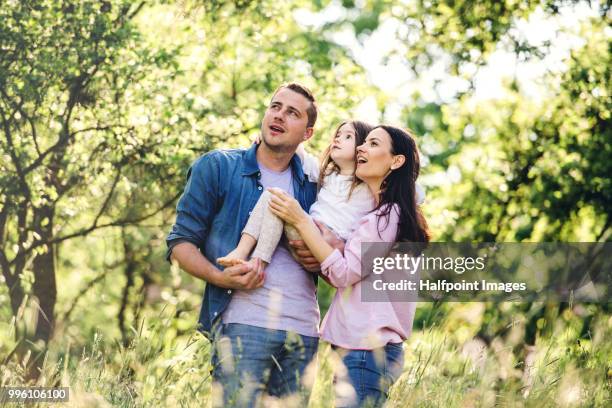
<point x="239" y="254"/>
<point x="262" y="232"/>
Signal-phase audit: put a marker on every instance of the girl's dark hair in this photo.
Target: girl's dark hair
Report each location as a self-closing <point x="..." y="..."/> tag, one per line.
<point x="327" y="164"/>
<point x="399" y="187"/>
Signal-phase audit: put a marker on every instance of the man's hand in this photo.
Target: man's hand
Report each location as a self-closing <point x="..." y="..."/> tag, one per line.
<point x="304" y="256"/>
<point x="246" y="276"/>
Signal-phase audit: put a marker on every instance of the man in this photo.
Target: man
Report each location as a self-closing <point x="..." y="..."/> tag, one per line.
<point x="264" y="331"/>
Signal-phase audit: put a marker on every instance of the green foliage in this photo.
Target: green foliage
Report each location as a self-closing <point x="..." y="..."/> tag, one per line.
<point x="443" y="366"/>
<point x="532" y="172"/>
<point x="104" y="104"/>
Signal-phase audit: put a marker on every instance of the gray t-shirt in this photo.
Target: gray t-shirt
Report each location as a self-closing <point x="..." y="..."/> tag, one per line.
<point x="287" y="300"/>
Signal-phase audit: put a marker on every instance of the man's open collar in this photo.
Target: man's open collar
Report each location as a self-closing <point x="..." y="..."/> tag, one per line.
<point x="251" y="167"/>
<point x="250" y="161"/>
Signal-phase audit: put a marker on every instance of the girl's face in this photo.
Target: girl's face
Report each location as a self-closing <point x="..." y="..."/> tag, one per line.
<point x="374" y="157"/>
<point x="343" y="145"/>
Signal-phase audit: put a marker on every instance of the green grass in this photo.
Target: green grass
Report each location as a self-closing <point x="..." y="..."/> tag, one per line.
<point x="444" y="366"/>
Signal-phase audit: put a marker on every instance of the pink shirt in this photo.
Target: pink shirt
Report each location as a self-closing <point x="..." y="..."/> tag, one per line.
<point x="351" y="323"/>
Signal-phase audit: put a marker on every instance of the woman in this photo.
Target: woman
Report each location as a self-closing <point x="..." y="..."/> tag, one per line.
<point x="362" y="332"/>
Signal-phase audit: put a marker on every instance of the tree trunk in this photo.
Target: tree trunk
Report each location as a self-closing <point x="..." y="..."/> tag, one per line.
<point x="16" y="293"/>
<point x="130" y="270"/>
<point x="44" y="291"/>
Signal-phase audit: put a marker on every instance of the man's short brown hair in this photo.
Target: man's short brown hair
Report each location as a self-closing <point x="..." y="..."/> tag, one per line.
<point x="302" y="90"/>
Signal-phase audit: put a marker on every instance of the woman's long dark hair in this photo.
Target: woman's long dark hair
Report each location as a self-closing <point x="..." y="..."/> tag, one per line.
<point x="327" y="164"/>
<point x="399" y="187"/>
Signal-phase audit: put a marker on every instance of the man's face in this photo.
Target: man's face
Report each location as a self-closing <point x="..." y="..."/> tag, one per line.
<point x="284" y="125"/>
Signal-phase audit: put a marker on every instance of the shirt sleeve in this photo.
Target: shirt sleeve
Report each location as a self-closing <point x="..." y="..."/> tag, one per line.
<point x="310" y="164"/>
<point x="345" y="270"/>
<point x="198" y="204"/>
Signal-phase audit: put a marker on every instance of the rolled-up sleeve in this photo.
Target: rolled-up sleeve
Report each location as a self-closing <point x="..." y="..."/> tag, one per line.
<point x="344" y="271"/>
<point x="197" y="205"/>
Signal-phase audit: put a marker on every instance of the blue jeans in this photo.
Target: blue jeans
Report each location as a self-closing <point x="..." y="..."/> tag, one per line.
<point x="370" y="373"/>
<point x="248" y="360"/>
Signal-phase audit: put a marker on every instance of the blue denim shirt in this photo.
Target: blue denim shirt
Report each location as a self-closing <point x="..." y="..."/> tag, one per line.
<point x="222" y="188"/>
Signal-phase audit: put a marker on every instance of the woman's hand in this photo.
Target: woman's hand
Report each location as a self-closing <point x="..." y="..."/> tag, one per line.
<point x="287" y="208"/>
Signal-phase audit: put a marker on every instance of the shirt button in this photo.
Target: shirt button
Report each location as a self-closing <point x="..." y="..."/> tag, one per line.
<point x="259" y="188"/>
<point x="229" y="291"/>
<point x="250" y="212"/>
<point x="214" y="314"/>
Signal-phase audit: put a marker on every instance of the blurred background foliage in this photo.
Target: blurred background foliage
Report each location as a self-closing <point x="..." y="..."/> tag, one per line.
<point x="104" y="104"/>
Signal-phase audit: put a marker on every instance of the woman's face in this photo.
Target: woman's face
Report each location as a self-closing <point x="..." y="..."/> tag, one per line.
<point x="343" y="145"/>
<point x="374" y="157"/>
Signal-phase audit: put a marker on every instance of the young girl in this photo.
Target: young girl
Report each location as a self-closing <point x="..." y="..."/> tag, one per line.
<point x="341" y="201"/>
<point x="368" y="335"/>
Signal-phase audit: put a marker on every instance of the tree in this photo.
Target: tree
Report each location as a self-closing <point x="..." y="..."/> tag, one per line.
<point x="538" y="172"/>
<point x="72" y="145"/>
<point x="101" y="114"/>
